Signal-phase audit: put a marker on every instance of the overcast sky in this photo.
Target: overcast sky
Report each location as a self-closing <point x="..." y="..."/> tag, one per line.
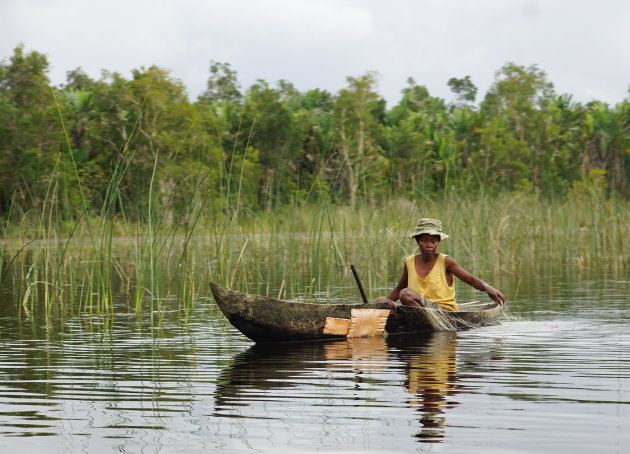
<point x="582" y="45"/>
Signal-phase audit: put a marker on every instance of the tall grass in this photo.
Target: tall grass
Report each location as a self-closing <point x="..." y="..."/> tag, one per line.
<point x="304" y="252"/>
<point x="94" y="259"/>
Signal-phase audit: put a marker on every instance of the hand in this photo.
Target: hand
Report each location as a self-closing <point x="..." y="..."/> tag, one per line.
<point x="390" y="304"/>
<point x="495" y="295"/>
<point x="382" y="299"/>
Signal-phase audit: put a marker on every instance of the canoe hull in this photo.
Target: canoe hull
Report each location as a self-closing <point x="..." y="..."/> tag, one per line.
<point x="265" y="319"/>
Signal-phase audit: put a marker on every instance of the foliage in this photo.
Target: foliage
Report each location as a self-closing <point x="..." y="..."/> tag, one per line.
<point x="90" y="144"/>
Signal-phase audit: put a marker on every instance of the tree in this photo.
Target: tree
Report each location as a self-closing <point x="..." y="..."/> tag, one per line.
<point x="519" y="97"/>
<point x="169" y="129"/>
<point x="30" y="130"/>
<point x="607" y="142"/>
<point x="517" y="93"/>
<point x="316" y="117"/>
<point x="222" y="85"/>
<point x="464" y="89"/>
<point x="221" y="106"/>
<point x="269" y="124"/>
<point x="357" y="110"/>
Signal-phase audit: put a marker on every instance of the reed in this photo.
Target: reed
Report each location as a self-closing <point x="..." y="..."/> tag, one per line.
<point x="307" y="251"/>
<point x="99" y="262"/>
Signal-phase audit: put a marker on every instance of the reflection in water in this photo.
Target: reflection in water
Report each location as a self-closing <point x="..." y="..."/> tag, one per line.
<point x="98" y="381"/>
<point x="261" y="368"/>
<point x="143" y="383"/>
<point x="359" y="354"/>
<point x="428" y="364"/>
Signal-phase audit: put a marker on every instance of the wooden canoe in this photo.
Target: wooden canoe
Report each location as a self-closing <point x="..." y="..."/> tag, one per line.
<point x="266" y="319"/>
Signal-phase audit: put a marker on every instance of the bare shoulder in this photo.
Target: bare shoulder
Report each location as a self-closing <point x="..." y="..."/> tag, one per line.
<point x="453" y="266"/>
<point x="450" y="261"/>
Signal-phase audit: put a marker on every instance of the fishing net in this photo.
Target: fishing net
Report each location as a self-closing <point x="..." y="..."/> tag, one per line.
<point x="439" y="319"/>
<point x="443" y="320"/>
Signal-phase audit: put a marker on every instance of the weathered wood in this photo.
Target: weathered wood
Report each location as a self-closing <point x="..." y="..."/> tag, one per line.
<point x="266" y="319"/>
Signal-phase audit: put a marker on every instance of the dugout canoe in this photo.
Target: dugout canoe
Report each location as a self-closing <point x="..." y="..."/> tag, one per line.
<point x="266" y="319"/>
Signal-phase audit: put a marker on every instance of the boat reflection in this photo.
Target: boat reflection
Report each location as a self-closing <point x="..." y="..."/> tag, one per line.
<point x="353" y="373"/>
<point x="359" y="354"/>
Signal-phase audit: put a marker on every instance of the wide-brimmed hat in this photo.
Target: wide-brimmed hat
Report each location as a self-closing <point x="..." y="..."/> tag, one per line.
<point x="430" y="227"/>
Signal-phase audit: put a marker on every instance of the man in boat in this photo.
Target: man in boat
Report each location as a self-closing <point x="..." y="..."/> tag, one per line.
<point x="427" y="278"/>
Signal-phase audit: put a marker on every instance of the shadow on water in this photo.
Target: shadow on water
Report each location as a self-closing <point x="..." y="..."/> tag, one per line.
<point x="423" y="367"/>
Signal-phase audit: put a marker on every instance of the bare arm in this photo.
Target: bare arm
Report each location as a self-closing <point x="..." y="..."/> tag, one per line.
<point x="393" y="295"/>
<point x="453" y="267"/>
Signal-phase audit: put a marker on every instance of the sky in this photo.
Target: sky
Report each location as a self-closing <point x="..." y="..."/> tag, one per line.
<point x="582" y="45"/>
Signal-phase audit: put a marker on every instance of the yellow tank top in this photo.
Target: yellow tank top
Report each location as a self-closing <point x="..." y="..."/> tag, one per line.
<point x="431" y="373"/>
<point x="433" y="285"/>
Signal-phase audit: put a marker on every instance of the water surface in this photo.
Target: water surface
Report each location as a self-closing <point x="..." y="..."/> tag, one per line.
<point x="552" y="377"/>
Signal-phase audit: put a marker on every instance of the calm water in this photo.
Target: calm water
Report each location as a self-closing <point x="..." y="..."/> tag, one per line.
<point x="553" y="377"/>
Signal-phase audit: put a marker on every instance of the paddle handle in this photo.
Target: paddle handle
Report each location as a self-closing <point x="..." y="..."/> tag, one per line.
<point x="356" y="278"/>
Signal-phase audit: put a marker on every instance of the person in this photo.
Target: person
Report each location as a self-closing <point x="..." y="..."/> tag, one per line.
<point x="427" y="278"/>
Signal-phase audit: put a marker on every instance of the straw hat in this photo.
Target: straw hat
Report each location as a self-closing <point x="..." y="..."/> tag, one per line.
<point x="429" y="226"/>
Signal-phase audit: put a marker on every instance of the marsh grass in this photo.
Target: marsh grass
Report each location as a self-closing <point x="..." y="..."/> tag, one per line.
<point x="96" y="260"/>
<point x="301" y="252"/>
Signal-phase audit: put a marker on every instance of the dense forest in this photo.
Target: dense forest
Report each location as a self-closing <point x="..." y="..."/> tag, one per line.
<point x="89" y="141"/>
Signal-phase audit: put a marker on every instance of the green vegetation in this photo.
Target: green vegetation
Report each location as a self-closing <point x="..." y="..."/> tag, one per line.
<point x="275" y="145"/>
<point x="125" y="188"/>
<point x="306" y="252"/>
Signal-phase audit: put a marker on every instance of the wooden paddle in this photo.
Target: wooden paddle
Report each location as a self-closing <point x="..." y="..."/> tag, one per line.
<point x="356" y="278"/>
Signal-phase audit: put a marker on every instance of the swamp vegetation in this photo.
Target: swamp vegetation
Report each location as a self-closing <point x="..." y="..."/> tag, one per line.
<point x="123" y="189"/>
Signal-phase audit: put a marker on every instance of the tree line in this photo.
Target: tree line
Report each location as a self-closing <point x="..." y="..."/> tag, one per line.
<point x="271" y="144"/>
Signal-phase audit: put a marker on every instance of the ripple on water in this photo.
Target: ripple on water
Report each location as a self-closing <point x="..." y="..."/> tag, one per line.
<point x="525" y="385"/>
